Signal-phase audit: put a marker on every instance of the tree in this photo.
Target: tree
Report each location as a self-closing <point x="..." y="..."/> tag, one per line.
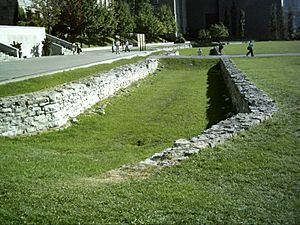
<point x="106" y="22"/>
<point x="72" y="20"/>
<point x="135" y="5"/>
<point x="148" y="23"/>
<point x="273" y="22"/>
<point x="166" y="17"/>
<point x="281" y="24"/>
<point x="49" y="11"/>
<point x="204" y="35"/>
<point x="290" y="24"/>
<point x="242" y="23"/>
<point x="124" y="18"/>
<point x="218" y="32"/>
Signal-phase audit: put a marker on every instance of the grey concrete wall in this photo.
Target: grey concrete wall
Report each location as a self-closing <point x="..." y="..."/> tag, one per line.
<point x="39" y="111"/>
<point x="30" y="37"/>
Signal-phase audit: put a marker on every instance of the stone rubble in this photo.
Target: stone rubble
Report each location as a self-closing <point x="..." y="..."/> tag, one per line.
<point x="252" y="105"/>
<point x="34" y="112"/>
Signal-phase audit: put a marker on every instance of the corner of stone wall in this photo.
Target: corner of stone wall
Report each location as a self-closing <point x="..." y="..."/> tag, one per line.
<point x="253" y="106"/>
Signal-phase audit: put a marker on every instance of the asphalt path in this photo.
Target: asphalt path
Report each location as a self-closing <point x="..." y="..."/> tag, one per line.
<point x="11" y="71"/>
<point x="15" y="70"/>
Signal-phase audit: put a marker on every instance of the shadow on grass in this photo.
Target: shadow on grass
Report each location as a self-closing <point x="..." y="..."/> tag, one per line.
<point x="219" y="103"/>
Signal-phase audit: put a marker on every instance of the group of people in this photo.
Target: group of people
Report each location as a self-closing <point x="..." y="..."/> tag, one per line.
<point x="115" y="48"/>
<point x="76" y="48"/>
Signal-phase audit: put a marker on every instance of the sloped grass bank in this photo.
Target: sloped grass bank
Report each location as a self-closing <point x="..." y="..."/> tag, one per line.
<point x="47" y="178"/>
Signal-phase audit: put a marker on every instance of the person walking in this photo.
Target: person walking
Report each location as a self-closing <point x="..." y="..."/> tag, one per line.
<point x="250" y="48"/>
<point x="127" y="46"/>
<point x="117" y="47"/>
<point x="113" y="46"/>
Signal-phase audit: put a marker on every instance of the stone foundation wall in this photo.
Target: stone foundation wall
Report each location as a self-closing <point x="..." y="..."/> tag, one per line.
<point x="43" y="110"/>
<point x="253" y="107"/>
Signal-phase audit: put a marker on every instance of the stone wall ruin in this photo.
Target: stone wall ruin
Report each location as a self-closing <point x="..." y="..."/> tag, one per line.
<point x="43" y="110"/>
<point x="252" y="105"/>
<point x="34" y="112"/>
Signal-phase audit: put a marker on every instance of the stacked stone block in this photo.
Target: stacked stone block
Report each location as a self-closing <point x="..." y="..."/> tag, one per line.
<point x="252" y="107"/>
<point x="43" y="110"/>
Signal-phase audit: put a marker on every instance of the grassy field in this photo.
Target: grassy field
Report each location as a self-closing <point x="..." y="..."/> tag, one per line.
<point x="57" y="177"/>
<point x="259" y="48"/>
<point x="39" y="174"/>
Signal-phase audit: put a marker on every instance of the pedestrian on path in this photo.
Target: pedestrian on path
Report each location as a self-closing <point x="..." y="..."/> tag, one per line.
<point x="250" y="48"/>
<point x="127" y="46"/>
<point x="113" y="47"/>
<point x="117" y="47"/>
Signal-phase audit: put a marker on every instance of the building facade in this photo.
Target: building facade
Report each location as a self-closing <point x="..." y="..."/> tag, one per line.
<point x="194" y="15"/>
<point x="8" y="12"/>
<point x="294" y="6"/>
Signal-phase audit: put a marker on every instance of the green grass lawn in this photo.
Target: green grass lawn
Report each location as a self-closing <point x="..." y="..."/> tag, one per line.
<point x="38" y="173"/>
<point x="259" y="48"/>
<point x="55" y="178"/>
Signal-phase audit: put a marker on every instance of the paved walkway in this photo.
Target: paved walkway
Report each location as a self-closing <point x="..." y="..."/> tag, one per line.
<point x="11" y="71"/>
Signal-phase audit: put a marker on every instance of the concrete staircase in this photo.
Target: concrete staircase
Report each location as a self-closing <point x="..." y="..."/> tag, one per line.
<point x="60" y="46"/>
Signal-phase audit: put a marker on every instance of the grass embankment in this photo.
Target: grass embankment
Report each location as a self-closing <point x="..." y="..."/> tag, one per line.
<point x="50" y="81"/>
<point x="263" y="47"/>
<point x="47" y="178"/>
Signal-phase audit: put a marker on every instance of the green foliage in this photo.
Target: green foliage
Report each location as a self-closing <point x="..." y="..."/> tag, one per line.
<point x="22" y="17"/>
<point x="106" y="23"/>
<point x="28" y="17"/>
<point x="148" y="23"/>
<point x="46" y="47"/>
<point x="218" y="32"/>
<point x="49" y="11"/>
<point x="204" y="35"/>
<point x="166" y="17"/>
<point x="89" y="22"/>
<point x="124" y="18"/>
